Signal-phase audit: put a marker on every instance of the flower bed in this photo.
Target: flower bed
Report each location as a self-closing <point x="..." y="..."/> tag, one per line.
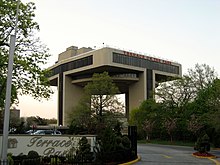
<point x="203" y="155"/>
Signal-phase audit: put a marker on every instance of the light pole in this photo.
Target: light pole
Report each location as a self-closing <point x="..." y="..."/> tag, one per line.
<point x="8" y="93"/>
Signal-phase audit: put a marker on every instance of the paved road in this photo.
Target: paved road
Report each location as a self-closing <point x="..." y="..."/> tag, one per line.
<point x="152" y="154"/>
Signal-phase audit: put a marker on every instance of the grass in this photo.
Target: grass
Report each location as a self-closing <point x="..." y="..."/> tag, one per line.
<point x="164" y="142"/>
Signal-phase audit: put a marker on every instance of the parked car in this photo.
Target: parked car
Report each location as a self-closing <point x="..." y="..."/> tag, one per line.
<point x="31" y="131"/>
<point x="46" y="132"/>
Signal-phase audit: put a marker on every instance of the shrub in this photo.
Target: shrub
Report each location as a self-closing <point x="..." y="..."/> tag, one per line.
<point x="126" y="142"/>
<point x="10" y="160"/>
<point x="33" y="154"/>
<point x="202" y="145"/>
<point x="33" y="158"/>
<point x="216" y="140"/>
<point x="84" y="153"/>
<point x="55" y="160"/>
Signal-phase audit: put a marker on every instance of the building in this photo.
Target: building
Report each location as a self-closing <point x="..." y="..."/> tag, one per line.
<point x="14" y="113"/>
<point x="135" y="74"/>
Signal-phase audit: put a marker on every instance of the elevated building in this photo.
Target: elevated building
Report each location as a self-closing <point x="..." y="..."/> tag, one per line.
<point x="135" y="74"/>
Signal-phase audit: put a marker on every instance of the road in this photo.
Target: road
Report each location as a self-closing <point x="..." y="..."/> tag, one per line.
<point x="153" y="154"/>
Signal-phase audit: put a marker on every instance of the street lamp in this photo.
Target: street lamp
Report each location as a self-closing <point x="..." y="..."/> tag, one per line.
<point x="8" y="93"/>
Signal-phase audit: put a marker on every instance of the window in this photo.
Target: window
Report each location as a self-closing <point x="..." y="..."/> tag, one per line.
<point x="144" y="63"/>
<point x="73" y="65"/>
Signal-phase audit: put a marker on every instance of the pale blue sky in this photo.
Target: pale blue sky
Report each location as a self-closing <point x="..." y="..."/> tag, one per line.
<point x="186" y="31"/>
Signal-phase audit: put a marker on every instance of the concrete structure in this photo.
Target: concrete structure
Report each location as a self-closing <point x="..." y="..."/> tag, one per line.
<point x="136" y="75"/>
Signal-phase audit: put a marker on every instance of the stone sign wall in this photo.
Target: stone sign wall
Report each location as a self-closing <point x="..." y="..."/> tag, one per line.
<point x="45" y="145"/>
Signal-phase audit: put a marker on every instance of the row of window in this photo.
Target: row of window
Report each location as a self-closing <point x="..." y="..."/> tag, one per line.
<point x="73" y="65"/>
<point x="118" y="58"/>
<point x="144" y="63"/>
<point x="126" y="75"/>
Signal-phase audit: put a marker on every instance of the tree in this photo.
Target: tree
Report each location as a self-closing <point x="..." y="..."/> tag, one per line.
<point x="170" y="125"/>
<point x="99" y="107"/>
<point x="207" y="108"/>
<point x="148" y="127"/>
<point x="176" y="93"/>
<point x="201" y="76"/>
<point x="80" y="119"/>
<point x="179" y="92"/>
<point x="33" y="121"/>
<point x="102" y="92"/>
<point x="146" y="117"/>
<point x="52" y="121"/>
<point x="30" y="53"/>
<point x="194" y="125"/>
<point x="182" y="98"/>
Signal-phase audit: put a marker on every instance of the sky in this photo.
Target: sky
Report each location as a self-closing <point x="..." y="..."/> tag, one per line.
<point x="183" y="31"/>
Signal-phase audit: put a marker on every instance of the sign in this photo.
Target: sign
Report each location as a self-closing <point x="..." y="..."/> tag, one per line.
<point x="147" y="57"/>
<point x="45" y="145"/>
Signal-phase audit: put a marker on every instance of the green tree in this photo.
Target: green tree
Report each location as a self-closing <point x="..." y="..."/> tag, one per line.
<point x="99" y="107"/>
<point x="175" y="94"/>
<point x="83" y="153"/>
<point x="148" y="126"/>
<point x="40" y="121"/>
<point x="207" y="108"/>
<point x="170" y="125"/>
<point x="52" y="121"/>
<point x="178" y="93"/>
<point x="146" y="117"/>
<point x="34" y="121"/>
<point x="81" y="119"/>
<point x="30" y="54"/>
<point x="201" y="76"/>
<point x="101" y="92"/>
<point x="181" y="98"/>
<point x="194" y="125"/>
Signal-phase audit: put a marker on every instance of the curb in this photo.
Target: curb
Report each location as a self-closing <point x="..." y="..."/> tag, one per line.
<point x="212" y="158"/>
<point x="205" y="157"/>
<point x="132" y="162"/>
<point x="215" y="161"/>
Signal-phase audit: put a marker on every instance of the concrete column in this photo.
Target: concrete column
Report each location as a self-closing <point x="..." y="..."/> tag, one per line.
<point x="127" y="105"/>
<point x="60" y="99"/>
<point x="71" y="96"/>
<point x="137" y="91"/>
<point x="150" y="83"/>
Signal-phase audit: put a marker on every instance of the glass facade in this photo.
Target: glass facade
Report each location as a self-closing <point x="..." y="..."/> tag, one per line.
<point x="144" y="63"/>
<point x="72" y="65"/>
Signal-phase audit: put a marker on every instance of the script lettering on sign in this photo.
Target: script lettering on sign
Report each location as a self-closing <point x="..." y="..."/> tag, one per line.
<point x="52" y="146"/>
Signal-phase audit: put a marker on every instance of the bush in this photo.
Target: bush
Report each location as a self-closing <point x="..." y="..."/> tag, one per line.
<point x="113" y="148"/>
<point x="55" y="160"/>
<point x="33" y="154"/>
<point x="84" y="153"/>
<point x="10" y="160"/>
<point x="126" y="142"/>
<point x="216" y="140"/>
<point x="33" y="158"/>
<point x="202" y="145"/>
